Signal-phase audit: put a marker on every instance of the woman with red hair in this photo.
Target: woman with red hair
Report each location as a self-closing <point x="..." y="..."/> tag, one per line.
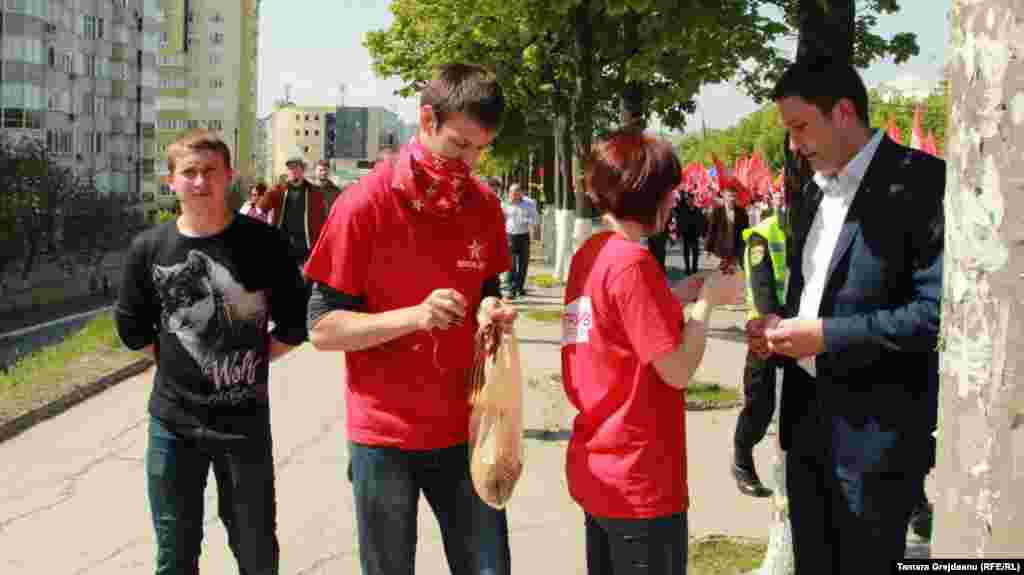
<point x="627" y="356"/>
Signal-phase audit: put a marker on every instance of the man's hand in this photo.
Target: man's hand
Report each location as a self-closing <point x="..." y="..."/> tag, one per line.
<point x="493" y="310"/>
<point x="797" y="338"/>
<point x="442" y="309"/>
<point x="756" y="339"/>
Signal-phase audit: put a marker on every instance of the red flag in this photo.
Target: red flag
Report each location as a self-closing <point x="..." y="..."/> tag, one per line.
<point x="916" y="132"/>
<point x="894" y="131"/>
<point x="930" y="146"/>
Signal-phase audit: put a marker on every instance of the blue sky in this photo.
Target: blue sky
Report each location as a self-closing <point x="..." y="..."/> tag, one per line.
<point x="317" y="48"/>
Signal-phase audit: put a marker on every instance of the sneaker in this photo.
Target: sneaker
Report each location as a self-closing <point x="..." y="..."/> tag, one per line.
<point x="748" y="482"/>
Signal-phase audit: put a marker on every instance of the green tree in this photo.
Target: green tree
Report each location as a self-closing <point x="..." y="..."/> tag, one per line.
<point x="39" y="201"/>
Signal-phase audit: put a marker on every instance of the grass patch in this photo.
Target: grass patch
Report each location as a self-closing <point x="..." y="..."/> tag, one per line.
<point x="720" y="555"/>
<point x="699" y="390"/>
<point x="544" y="280"/>
<point x="54" y="371"/>
<point x="543" y="315"/>
<point x="42" y="296"/>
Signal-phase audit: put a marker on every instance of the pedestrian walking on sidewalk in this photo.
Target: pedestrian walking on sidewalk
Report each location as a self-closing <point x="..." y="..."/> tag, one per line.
<point x="520" y="217"/>
<point x="860" y="383"/>
<point x="627" y="357"/>
<point x="403" y="276"/>
<point x="197" y="295"/>
<point x="690" y="227"/>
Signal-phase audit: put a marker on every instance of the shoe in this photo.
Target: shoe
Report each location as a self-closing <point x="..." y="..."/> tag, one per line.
<point x="921" y="521"/>
<point x="749" y="483"/>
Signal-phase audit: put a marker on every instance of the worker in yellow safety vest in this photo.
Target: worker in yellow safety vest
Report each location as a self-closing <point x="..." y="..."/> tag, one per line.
<point x="765" y="269"/>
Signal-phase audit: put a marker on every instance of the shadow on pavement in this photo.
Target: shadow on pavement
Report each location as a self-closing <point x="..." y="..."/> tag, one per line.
<point x="547" y="434"/>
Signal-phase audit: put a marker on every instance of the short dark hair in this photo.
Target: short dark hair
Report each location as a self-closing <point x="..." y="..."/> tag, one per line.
<point x="468" y="89"/>
<point x="194" y="141"/>
<point x="629" y="173"/>
<point x="823" y="82"/>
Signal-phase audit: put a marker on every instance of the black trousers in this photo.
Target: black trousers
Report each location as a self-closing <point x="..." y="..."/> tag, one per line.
<point x="691" y="253"/>
<point x="657" y="245"/>
<point x="758" y="403"/>
<point x="847" y="523"/>
<point x="519" y="249"/>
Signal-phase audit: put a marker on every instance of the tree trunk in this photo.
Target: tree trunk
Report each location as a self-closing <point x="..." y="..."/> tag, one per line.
<point x="978" y="512"/>
<point x="826" y="30"/>
<point x="583" y="128"/>
<point x="634" y="102"/>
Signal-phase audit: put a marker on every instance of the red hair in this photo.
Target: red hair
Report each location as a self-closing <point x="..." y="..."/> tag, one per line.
<point x="629" y="174"/>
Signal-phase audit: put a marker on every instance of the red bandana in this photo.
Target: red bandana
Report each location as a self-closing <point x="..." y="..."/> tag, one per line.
<point x="439" y="184"/>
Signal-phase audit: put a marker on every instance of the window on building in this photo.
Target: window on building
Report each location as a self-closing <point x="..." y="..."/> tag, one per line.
<point x="88" y="30"/>
<point x="316" y="132"/>
<point x="298" y="133"/>
<point x="216" y="83"/>
<point x="216" y="59"/>
<point x="216" y="38"/>
<point x="99" y="28"/>
<point x="307" y="132"/>
<point x="307" y="117"/>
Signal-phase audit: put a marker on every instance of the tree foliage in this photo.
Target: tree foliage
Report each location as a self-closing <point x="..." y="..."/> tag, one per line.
<point x="48" y="210"/>
<point x="762" y="130"/>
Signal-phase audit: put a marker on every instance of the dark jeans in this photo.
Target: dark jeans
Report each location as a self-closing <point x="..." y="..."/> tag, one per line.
<point x="387" y="483"/>
<point x="691" y="254"/>
<point x="519" y="248"/>
<point x="655" y="546"/>
<point x="758" y="404"/>
<point x="848" y="523"/>
<point x="657" y="244"/>
<point x="176" y="470"/>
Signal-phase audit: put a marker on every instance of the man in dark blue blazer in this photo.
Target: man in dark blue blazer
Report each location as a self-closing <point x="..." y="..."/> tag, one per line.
<point x="860" y="388"/>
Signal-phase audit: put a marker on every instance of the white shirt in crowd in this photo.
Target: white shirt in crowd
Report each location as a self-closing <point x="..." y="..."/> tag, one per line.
<point x="519" y="216"/>
<point x="837" y="194"/>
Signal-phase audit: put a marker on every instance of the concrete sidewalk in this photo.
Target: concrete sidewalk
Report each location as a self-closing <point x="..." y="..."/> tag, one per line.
<point x="73" y="499"/>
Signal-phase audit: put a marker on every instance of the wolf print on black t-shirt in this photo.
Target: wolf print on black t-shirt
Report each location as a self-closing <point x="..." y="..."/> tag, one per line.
<point x="218" y="322"/>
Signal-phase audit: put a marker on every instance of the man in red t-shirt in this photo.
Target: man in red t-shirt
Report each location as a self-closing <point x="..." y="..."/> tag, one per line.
<point x="626" y="359"/>
<point x="405" y="270"/>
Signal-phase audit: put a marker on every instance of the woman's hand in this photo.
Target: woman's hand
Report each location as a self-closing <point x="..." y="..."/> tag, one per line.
<point x="722" y="289"/>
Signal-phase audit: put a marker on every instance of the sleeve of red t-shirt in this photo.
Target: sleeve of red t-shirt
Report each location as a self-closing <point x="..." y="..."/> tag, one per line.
<point x="651" y="316"/>
<point x="341" y="255"/>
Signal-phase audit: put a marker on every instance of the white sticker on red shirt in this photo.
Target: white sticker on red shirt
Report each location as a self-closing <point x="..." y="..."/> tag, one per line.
<point x="577" y="321"/>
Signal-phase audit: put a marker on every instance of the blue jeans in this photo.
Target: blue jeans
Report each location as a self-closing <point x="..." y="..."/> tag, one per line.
<point x="177" y="467"/>
<point x="655" y="546"/>
<point x="387" y="482"/>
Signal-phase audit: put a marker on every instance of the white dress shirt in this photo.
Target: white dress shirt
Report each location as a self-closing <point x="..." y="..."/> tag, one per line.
<point x="838" y="193"/>
<point x="519" y="216"/>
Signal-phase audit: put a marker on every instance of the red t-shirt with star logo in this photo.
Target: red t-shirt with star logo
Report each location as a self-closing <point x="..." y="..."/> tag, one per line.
<point x="627" y="454"/>
<point x="379" y="244"/>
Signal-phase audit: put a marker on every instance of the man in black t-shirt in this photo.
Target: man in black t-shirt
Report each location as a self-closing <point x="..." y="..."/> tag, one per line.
<point x="198" y="294"/>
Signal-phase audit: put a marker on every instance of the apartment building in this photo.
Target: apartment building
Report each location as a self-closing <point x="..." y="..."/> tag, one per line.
<point x="81" y="76"/>
<point x="208" y="77"/>
<point x="347" y="136"/>
<point x="294" y="128"/>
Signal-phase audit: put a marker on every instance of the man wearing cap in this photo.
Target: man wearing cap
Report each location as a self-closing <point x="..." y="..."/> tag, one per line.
<point x="298" y="209"/>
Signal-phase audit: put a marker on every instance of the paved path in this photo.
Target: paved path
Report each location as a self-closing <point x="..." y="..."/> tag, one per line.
<point x="72" y="489"/>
